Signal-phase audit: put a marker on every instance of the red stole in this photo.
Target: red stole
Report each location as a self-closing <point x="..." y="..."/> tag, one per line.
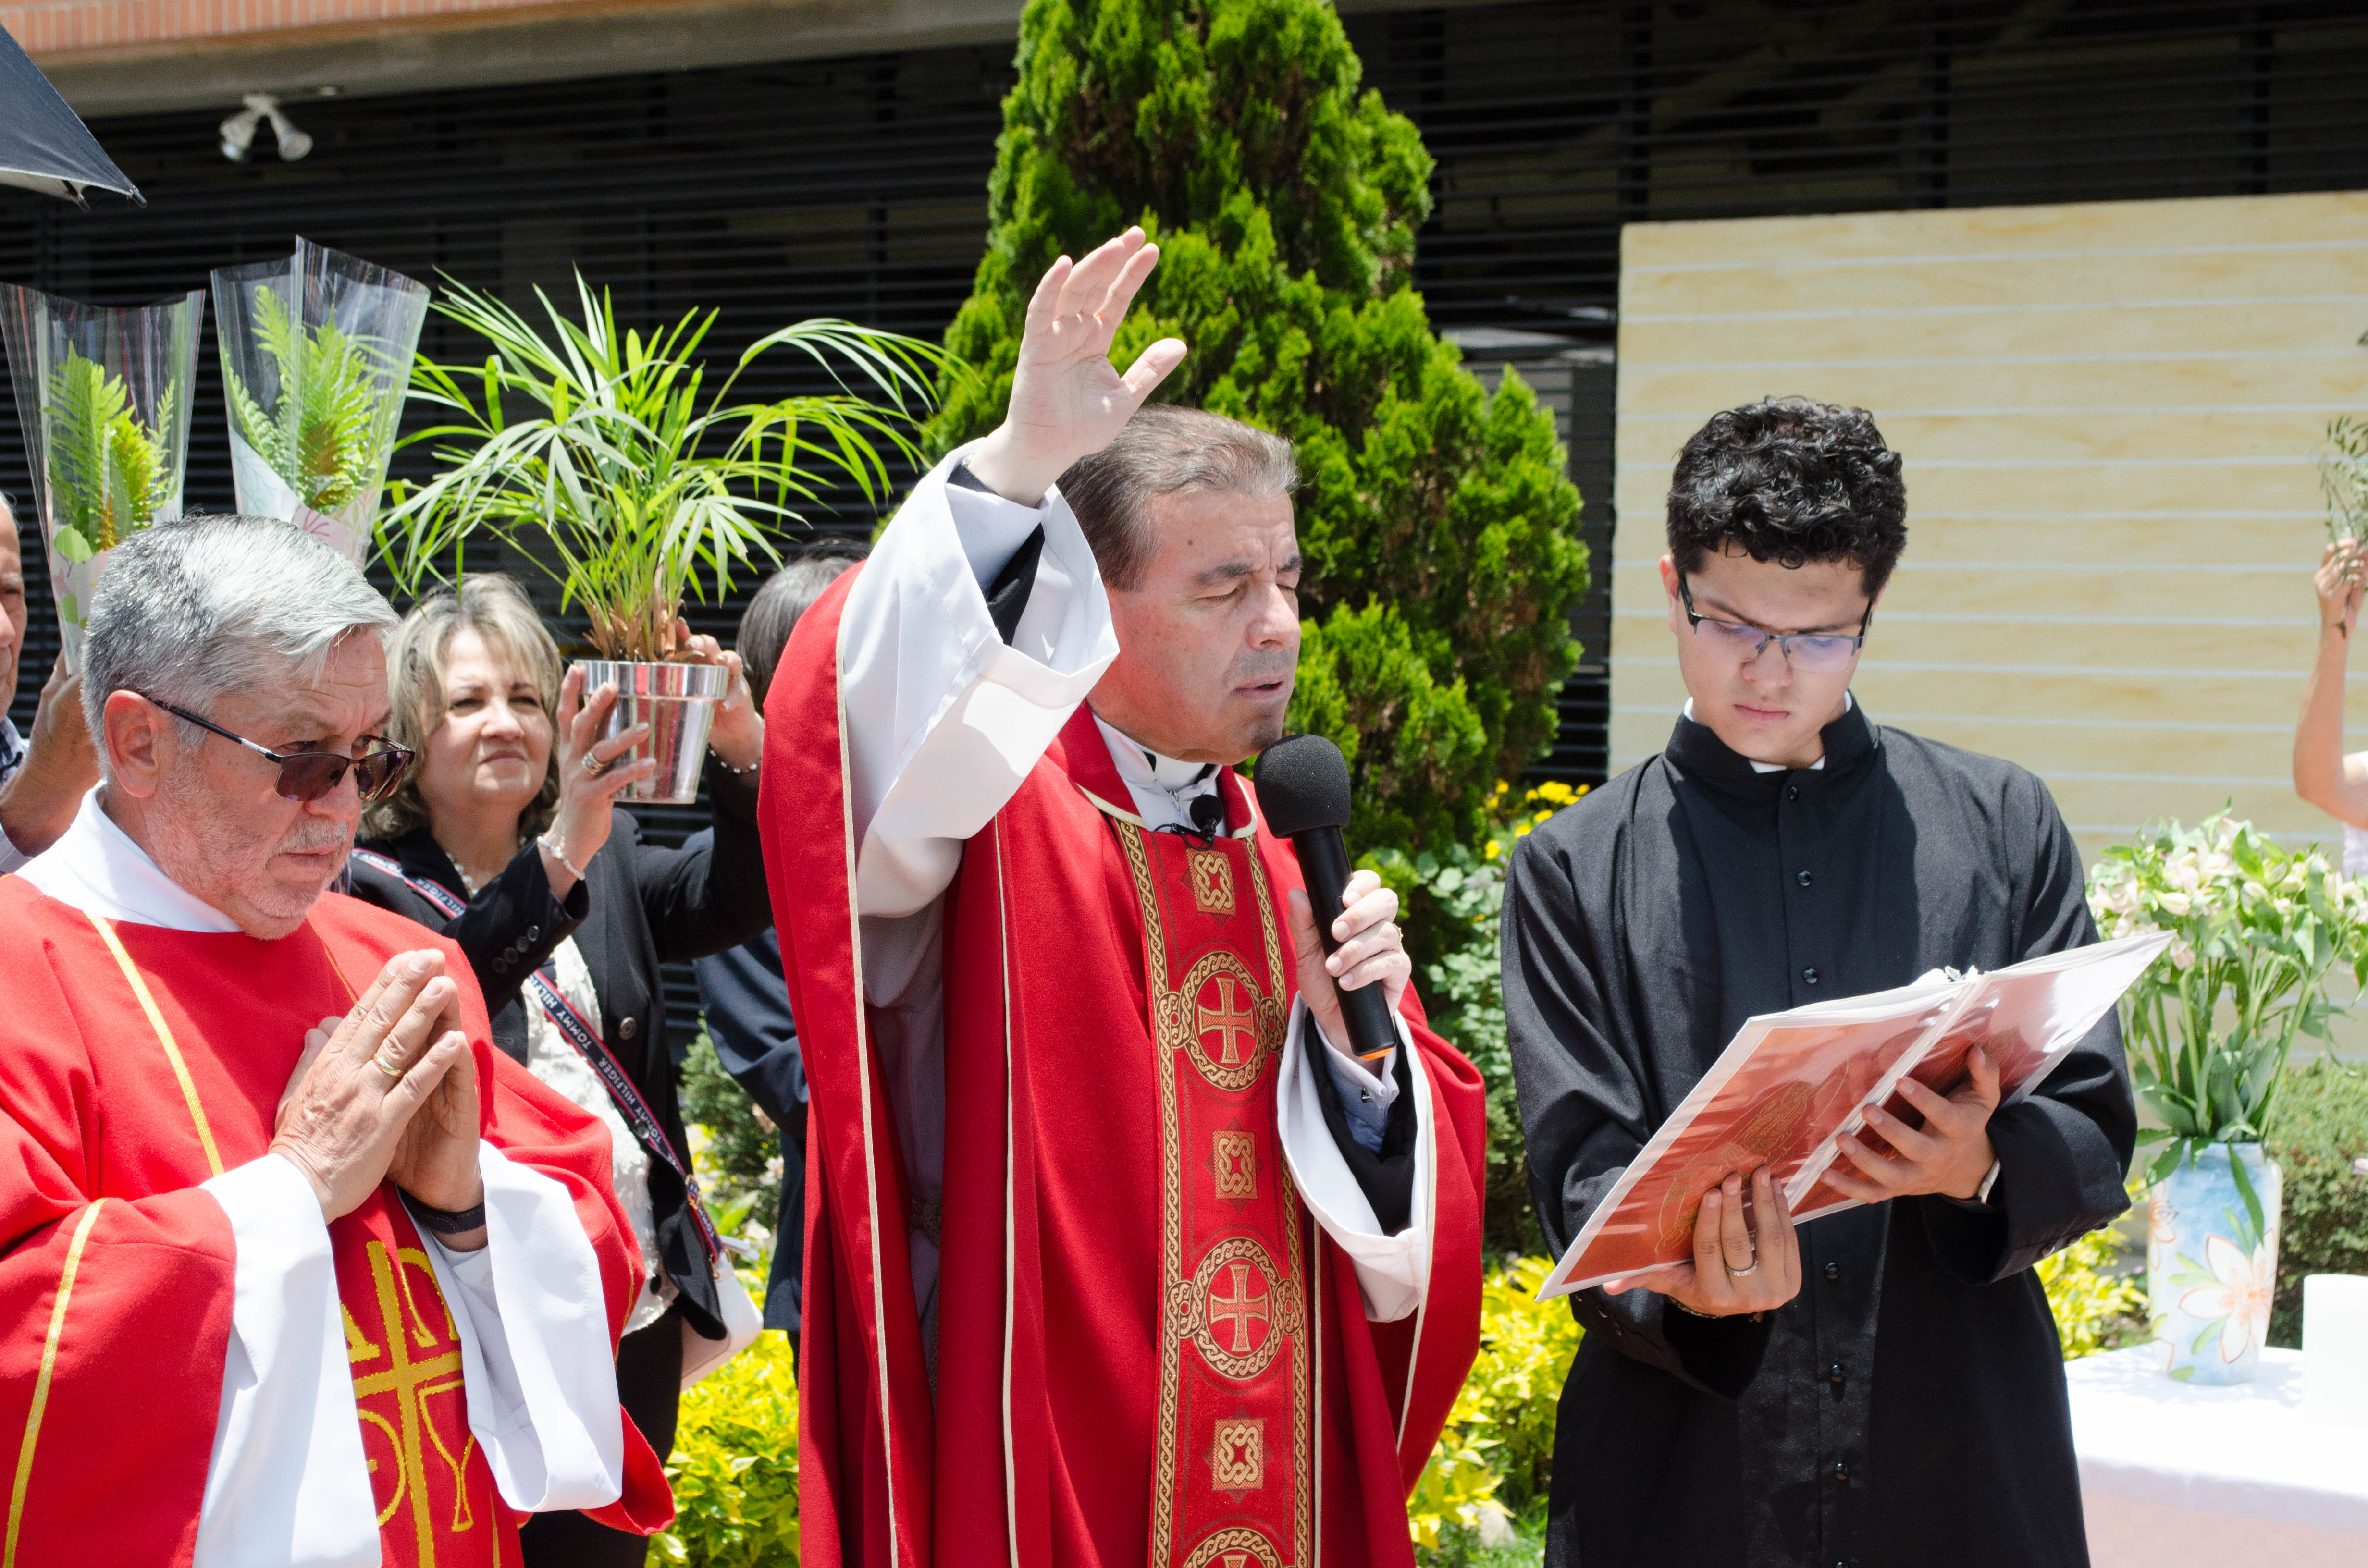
<point x="141" y="1061"/>
<point x="1145" y="1352"/>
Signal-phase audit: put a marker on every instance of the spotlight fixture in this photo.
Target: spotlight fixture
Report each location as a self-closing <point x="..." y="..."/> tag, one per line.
<point x="238" y="131"/>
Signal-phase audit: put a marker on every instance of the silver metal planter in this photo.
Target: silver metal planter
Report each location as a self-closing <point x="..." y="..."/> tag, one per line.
<point x="678" y="702"/>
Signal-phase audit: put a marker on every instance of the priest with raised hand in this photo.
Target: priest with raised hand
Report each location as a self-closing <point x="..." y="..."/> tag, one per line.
<point x="296" y="1269"/>
<point x="1116" y="1254"/>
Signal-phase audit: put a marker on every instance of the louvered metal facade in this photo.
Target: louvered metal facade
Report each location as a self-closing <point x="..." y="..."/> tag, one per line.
<point x="856" y="187"/>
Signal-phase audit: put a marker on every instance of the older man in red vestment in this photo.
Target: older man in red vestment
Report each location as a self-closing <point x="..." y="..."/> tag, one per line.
<point x="1116" y="1254"/>
<point x="295" y="1268"/>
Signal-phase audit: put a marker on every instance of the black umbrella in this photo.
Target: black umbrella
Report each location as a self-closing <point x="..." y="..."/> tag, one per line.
<point x="44" y="145"/>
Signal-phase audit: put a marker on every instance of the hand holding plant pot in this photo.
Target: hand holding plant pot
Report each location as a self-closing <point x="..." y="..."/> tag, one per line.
<point x="103" y="397"/>
<point x="590" y="449"/>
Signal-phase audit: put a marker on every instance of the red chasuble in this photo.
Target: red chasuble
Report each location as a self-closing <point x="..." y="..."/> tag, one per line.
<point x="1147" y="1351"/>
<point x="137" y="1062"/>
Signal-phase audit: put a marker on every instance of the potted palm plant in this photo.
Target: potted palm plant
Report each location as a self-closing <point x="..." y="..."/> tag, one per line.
<point x="595" y="452"/>
<point x="2258" y="929"/>
<point x="103" y="398"/>
<point x="317" y="352"/>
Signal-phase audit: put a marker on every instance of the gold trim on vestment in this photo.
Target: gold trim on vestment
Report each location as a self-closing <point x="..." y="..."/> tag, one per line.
<point x="164" y="1038"/>
<point x="41" y="1382"/>
<point x="863" y="1080"/>
<point x="1183" y="1293"/>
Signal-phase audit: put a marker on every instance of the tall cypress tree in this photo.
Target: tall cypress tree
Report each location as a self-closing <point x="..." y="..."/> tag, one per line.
<point x="1439" y="528"/>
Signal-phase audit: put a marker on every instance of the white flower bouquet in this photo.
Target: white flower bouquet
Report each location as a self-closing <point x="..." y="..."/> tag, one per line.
<point x="2259" y="929"/>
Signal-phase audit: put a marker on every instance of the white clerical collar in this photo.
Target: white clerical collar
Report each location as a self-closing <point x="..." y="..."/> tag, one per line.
<point x="1849" y="702"/>
<point x="1162" y="786"/>
<point x="96" y="868"/>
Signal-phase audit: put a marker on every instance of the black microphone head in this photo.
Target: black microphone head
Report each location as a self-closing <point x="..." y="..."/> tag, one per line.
<point x="1302" y="783"/>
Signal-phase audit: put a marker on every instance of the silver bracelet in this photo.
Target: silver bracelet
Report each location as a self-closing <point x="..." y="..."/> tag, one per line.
<point x="560" y="856"/>
<point x="739" y="772"/>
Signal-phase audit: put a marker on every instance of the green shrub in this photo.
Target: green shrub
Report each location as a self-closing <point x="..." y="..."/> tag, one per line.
<point x="734" y="1470"/>
<point x="1438" y="525"/>
<point x="2320" y="1127"/>
<point x="1496" y="1453"/>
<point x="2096" y="1306"/>
<point x="1452" y="902"/>
<point x="734" y="1145"/>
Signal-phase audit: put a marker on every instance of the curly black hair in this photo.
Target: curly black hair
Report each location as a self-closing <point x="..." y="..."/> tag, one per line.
<point x="1790" y="480"/>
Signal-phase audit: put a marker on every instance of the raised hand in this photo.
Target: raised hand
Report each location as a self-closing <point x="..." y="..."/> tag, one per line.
<point x="1068" y="400"/>
<point x="579" y="824"/>
<point x="2341" y="570"/>
<point x="362" y="1079"/>
<point x="738" y="736"/>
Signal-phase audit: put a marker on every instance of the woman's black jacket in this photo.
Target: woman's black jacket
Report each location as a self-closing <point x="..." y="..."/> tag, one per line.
<point x="637" y="907"/>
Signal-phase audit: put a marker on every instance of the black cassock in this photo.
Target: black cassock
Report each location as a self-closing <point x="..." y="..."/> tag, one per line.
<point x="1909" y="1406"/>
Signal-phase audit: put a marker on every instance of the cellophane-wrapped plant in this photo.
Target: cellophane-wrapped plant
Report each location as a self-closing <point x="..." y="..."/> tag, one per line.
<point x="594" y="451"/>
<point x="103" y="398"/>
<point x="2259" y="929"/>
<point x="317" y="352"/>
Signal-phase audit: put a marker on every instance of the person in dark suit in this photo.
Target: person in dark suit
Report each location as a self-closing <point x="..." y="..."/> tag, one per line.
<point x="746" y="999"/>
<point x="504" y="837"/>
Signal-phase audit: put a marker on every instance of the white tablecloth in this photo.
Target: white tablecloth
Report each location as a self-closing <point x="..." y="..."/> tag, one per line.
<point x="2175" y="1473"/>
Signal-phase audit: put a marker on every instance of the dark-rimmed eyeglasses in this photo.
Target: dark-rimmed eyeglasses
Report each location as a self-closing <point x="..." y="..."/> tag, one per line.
<point x="1820" y="652"/>
<point x="309" y="775"/>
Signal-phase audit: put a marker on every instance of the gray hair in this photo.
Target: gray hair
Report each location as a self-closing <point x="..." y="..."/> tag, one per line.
<point x="1163" y="451"/>
<point x="194" y="608"/>
<point x="497" y="609"/>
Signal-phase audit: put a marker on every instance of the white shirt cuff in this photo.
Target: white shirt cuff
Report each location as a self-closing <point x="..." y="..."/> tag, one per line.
<point x="287" y="1484"/>
<point x="535" y="1358"/>
<point x="1393" y="1271"/>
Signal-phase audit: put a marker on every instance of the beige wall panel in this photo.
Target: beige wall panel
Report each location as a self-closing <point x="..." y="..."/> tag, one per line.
<point x="1885" y="240"/>
<point x="2310" y="381"/>
<point x="2110" y="415"/>
<point x="2176" y="276"/>
<point x="2042" y="433"/>
<point x="1989" y="336"/>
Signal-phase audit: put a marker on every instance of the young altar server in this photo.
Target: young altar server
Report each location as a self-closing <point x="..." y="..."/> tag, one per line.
<point x="1115" y="1255"/>
<point x="1882" y="1386"/>
<point x="295" y="1267"/>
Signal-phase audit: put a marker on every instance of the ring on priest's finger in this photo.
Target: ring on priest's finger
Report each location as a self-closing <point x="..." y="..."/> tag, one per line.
<point x="1735" y="1273"/>
<point x="594" y="765"/>
<point x="379" y="1061"/>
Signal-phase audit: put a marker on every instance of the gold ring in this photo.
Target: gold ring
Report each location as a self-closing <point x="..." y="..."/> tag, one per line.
<point x="594" y="765"/>
<point x="378" y="1062"/>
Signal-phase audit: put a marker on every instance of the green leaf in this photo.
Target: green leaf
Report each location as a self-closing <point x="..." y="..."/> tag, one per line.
<point x="68" y="542"/>
<point x="2252" y="1200"/>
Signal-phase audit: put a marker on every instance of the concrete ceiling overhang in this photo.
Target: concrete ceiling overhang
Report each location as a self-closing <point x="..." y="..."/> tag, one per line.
<point x="534" y="42"/>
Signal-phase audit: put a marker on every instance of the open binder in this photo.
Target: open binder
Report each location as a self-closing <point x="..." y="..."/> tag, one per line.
<point x="1791" y="1082"/>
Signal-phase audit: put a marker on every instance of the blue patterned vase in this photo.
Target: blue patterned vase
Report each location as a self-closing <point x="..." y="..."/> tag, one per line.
<point x="2211" y="1267"/>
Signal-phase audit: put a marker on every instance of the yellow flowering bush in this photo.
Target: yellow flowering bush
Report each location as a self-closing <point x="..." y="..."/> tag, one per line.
<point x="734" y="1470"/>
<point x="1496" y="1453"/>
<point x="2096" y="1308"/>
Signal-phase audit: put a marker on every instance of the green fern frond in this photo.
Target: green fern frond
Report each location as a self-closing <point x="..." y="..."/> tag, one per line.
<point x="108" y="471"/>
<point x="326" y="433"/>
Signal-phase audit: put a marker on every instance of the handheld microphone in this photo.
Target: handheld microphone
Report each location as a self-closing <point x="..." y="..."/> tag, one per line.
<point x="1302" y="787"/>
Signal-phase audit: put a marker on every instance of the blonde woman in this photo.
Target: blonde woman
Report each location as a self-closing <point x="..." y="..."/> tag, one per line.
<point x="504" y="837"/>
<point x="2323" y="775"/>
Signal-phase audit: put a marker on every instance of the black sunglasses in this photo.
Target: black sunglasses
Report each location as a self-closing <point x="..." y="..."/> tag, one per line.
<point x="309" y="775"/>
